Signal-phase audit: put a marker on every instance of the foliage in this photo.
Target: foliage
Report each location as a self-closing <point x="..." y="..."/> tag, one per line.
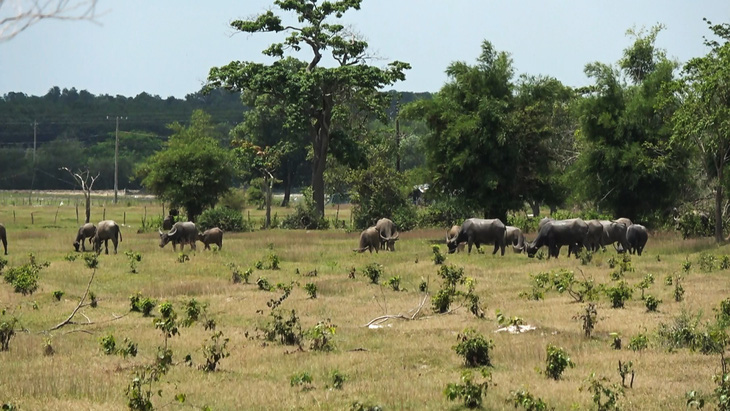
<point x="639" y="342"/>
<point x="623" y="370"/>
<point x="58" y="294"/>
<point x="215" y="351"/>
<point x="284" y="331"/>
<point x="645" y="283"/>
<point x="469" y="391"/>
<point x="142" y="304"/>
<point x="338" y="379"/>
<point x="394" y="283"/>
<point x="652" y="303"/>
<point x="7" y="330"/>
<point x="441" y="301"/>
<point x="588" y="318"/>
<point x="377" y="193"/>
<point x="305" y="215"/>
<point x="182" y="257"/>
<point x="302" y="379"/>
<point x="109" y="346"/>
<point x="24" y="278"/>
<point x="133" y="257"/>
<point x="524" y="399"/>
<point x="311" y="289"/>
<point x="437" y="257"/>
<point x="556" y="362"/>
<point x="473" y="348"/>
<point x="227" y="219"/>
<point x="373" y="272"/>
<point x="264" y="284"/>
<point x="619" y="294"/>
<point x="605" y="397"/>
<point x="678" y="289"/>
<point x="321" y="336"/>
<point x="192" y="170"/>
<point x="706" y="261"/>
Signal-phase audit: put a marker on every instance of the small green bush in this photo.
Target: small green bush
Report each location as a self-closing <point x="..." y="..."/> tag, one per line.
<point x="24" y="278"/>
<point x="227" y="219"/>
<point x="605" y="396"/>
<point x="305" y="215"/>
<point x="473" y="348"/>
<point x="311" y="289"/>
<point x="215" y="351"/>
<point x="58" y="294"/>
<point x="557" y="361"/>
<point x="303" y="380"/>
<point x="652" y="303"/>
<point x="526" y="400"/>
<point x="619" y="294"/>
<point x="373" y="272"/>
<point x="321" y="336"/>
<point x="437" y="257"/>
<point x="639" y="342"/>
<point x="469" y="392"/>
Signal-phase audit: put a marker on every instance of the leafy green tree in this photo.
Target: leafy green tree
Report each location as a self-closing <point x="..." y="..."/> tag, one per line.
<point x="313" y="95"/>
<point x="627" y="165"/>
<point x="702" y="121"/>
<point x="192" y="170"/>
<point x="469" y="150"/>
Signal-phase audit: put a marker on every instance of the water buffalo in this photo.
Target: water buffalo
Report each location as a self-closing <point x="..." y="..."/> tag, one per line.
<point x="4" y="238"/>
<point x="181" y="233"/>
<point x="388" y="234"/>
<point x="211" y="236"/>
<point x="592" y="241"/>
<point x="168" y="222"/>
<point x="479" y="231"/>
<point x="87" y="230"/>
<point x="452" y="234"/>
<point x="636" y="236"/>
<point x="106" y="230"/>
<point x="613" y="233"/>
<point x="557" y="233"/>
<point x="514" y="236"/>
<point x="369" y="240"/>
<point x="623" y="220"/>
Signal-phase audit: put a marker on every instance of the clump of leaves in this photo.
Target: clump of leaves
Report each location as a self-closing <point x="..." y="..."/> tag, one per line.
<point x="373" y="271"/>
<point x="109" y="346"/>
<point x="321" y="336"/>
<point x="557" y="361"/>
<point x="142" y="304"/>
<point x="585" y="256"/>
<point x="624" y="369"/>
<point x="645" y="283"/>
<point x="686" y="266"/>
<point x="506" y="321"/>
<point x="24" y="278"/>
<point x="237" y="275"/>
<point x="302" y="380"/>
<point x="619" y="294"/>
<point x="134" y="257"/>
<point x="394" y="283"/>
<point x="616" y="341"/>
<point x="652" y="303"/>
<point x="285" y="331"/>
<point x="437" y="257"/>
<point x="214" y="351"/>
<point x="193" y="311"/>
<point x="8" y="325"/>
<point x="706" y="261"/>
<point x="311" y="289"/>
<point x="473" y="348"/>
<point x="469" y="391"/>
<point x="681" y="333"/>
<point x="58" y="294"/>
<point x="272" y="261"/>
<point x="639" y="342"/>
<point x="182" y="257"/>
<point x="423" y="286"/>
<point x="724" y="262"/>
<point x="605" y="396"/>
<point x="580" y="290"/>
<point x="523" y="398"/>
<point x="588" y="318"/>
<point x="338" y="379"/>
<point x="678" y="289"/>
<point x="71" y="257"/>
<point x="47" y="347"/>
<point x="263" y="284"/>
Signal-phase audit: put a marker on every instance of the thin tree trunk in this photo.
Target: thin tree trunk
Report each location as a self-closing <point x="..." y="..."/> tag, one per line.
<point x="535" y="206"/>
<point x="287" y="186"/>
<point x="320" y="145"/>
<point x="718" y="206"/>
<point x="269" y="182"/>
<point x="88" y="206"/>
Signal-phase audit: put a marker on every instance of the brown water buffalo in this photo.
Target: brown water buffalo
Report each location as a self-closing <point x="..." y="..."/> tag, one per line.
<point x="211" y="236"/>
<point x="181" y="233"/>
<point x="86" y="231"/>
<point x="369" y="240"/>
<point x="557" y="233"/>
<point x="513" y="235"/>
<point x="4" y="238"/>
<point x="388" y="234"/>
<point x="636" y="236"/>
<point x="452" y="234"/>
<point x="106" y="230"/>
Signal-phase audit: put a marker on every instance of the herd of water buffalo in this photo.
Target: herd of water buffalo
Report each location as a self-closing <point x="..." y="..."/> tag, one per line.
<point x="554" y="234"/>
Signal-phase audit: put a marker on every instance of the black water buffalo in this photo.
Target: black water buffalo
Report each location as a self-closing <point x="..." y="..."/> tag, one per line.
<point x="87" y="230"/>
<point x="211" y="236"/>
<point x="388" y="234"/>
<point x="451" y="234"/>
<point x="514" y="236"/>
<point x="106" y="230"/>
<point x="613" y="233"/>
<point x="479" y="231"/>
<point x="180" y="233"/>
<point x="557" y="233"/>
<point x="636" y="236"/>
<point x="592" y="241"/>
<point x="369" y="240"/>
<point x="4" y="238"/>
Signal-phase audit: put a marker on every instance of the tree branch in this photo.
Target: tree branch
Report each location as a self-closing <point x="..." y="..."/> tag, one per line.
<point x="73" y="313"/>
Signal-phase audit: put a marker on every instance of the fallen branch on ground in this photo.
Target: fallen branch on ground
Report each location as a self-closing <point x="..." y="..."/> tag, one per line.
<point x="411" y="314"/>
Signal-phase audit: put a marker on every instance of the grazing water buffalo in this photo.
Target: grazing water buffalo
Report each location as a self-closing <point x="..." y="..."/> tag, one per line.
<point x="106" y="230"/>
<point x="613" y="233"/>
<point x="625" y="221"/>
<point x="369" y="240"/>
<point x="479" y="231"/>
<point x="451" y="234"/>
<point x="514" y="236"/>
<point x="557" y="233"/>
<point x="592" y="241"/>
<point x="181" y="233"/>
<point x="388" y="234"/>
<point x="87" y="230"/>
<point x="212" y="236"/>
<point x="4" y="238"/>
<point x="636" y="236"/>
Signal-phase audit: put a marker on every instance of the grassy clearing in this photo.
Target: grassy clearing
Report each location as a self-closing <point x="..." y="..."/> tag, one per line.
<point x="404" y="365"/>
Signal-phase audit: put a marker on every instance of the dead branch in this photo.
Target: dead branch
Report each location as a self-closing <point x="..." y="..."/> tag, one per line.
<point x="23" y="14"/>
<point x="411" y="314"/>
<point x="81" y="302"/>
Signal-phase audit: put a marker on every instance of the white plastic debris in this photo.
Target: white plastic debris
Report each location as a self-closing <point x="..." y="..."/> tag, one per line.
<point x="517" y="329"/>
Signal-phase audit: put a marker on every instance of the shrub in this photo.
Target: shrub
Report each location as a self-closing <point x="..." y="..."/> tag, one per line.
<point x="305" y="215"/>
<point x="133" y="257"/>
<point x="58" y="294"/>
<point x="373" y="271"/>
<point x="142" y="304"/>
<point x="557" y="361"/>
<point x="215" y="351"/>
<point x="706" y="261"/>
<point x="263" y="284"/>
<point x="311" y="289"/>
<point x="681" y="333"/>
<point x="227" y="219"/>
<point x="394" y="283"/>
<point x="108" y="344"/>
<point x="619" y="294"/>
<point x="605" y="397"/>
<point x="24" y="278"/>
<point x="588" y="318"/>
<point x="441" y="301"/>
<point x="639" y="342"/>
<point x="437" y="257"/>
<point x="321" y="336"/>
<point x="473" y="348"/>
<point x="376" y="193"/>
<point x="182" y="257"/>
<point x="284" y="331"/>
<point x="468" y="391"/>
<point x="303" y="380"/>
<point x="338" y="379"/>
<point x="652" y="303"/>
<point x="7" y="331"/>
<point x="254" y="194"/>
<point x="235" y="199"/>
<point x="527" y="401"/>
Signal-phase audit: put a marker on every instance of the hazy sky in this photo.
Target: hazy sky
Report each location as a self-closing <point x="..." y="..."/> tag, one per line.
<point x="166" y="47"/>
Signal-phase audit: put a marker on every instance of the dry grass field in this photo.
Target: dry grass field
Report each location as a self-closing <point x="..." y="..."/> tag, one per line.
<point x="406" y="364"/>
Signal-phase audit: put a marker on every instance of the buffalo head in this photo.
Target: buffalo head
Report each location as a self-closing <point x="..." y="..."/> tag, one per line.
<point x="166" y="237"/>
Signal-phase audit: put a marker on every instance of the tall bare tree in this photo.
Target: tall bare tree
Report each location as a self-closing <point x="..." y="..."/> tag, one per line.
<point x="86" y="181"/>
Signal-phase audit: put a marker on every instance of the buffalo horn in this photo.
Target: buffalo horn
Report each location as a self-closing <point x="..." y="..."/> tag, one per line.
<point x="395" y="237"/>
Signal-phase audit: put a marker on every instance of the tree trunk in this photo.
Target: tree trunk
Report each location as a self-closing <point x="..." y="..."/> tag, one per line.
<point x="268" y="182"/>
<point x="88" y="206"/>
<point x="718" y="207"/>
<point x="320" y="132"/>
<point x="287" y="186"/>
<point x="535" y="206"/>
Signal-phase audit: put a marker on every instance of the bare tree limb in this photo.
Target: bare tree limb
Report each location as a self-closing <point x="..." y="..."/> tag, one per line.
<point x="18" y="15"/>
<point x="413" y="313"/>
<point x="81" y="302"/>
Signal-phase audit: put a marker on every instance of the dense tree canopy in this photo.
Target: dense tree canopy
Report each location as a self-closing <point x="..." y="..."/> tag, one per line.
<point x="312" y="94"/>
<point x="192" y="170"/>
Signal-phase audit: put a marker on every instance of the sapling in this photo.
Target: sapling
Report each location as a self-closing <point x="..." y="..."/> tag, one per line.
<point x="557" y="361"/>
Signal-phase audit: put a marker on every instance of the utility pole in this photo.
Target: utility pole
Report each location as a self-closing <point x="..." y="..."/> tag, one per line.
<point x="116" y="161"/>
<point x="397" y="145"/>
<point x="35" y="129"/>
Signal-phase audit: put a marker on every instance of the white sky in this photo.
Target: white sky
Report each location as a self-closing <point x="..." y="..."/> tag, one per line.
<point x="166" y="47"/>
